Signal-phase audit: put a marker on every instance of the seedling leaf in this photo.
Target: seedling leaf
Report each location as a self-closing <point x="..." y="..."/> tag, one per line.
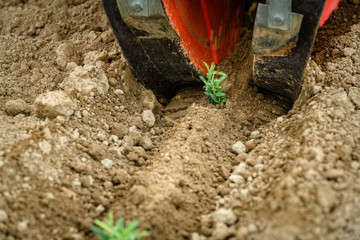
<point x="99" y="232"/>
<point x="103" y="225"/>
<point x="220" y="94"/>
<point x="118" y="231"/>
<point x="212" y="85"/>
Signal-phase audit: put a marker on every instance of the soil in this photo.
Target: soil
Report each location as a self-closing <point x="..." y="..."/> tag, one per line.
<point x="171" y="168"/>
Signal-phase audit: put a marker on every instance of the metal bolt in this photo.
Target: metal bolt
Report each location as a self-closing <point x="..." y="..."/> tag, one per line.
<point x="137" y="7"/>
<point x="278" y="21"/>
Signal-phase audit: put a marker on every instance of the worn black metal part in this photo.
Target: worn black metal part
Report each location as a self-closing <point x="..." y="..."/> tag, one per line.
<point x="283" y="74"/>
<point x="276" y="29"/>
<point x="158" y="62"/>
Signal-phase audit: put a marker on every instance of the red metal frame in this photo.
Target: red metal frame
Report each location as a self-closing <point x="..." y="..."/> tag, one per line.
<point x="330" y="6"/>
<point x="209" y="29"/>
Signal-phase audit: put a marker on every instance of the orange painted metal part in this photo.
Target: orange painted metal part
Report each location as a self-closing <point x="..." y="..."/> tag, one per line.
<point x="209" y="29"/>
<point x="330" y="6"/>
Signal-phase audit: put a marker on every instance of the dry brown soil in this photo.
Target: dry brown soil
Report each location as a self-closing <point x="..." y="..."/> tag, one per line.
<point x="298" y="179"/>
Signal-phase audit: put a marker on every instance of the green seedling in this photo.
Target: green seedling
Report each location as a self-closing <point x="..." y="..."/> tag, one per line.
<point x="118" y="231"/>
<point x="188" y="108"/>
<point x="212" y="86"/>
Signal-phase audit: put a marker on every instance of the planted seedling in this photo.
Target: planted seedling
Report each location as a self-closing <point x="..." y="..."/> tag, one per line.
<point x="212" y="86"/>
<point x="118" y="231"/>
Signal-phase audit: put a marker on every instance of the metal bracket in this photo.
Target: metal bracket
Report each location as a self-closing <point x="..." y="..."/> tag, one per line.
<point x="143" y="8"/>
<point x="146" y="18"/>
<point x="279" y="14"/>
<point x="276" y="28"/>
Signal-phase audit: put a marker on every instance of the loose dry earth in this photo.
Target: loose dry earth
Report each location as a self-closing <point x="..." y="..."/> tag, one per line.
<point x="80" y="136"/>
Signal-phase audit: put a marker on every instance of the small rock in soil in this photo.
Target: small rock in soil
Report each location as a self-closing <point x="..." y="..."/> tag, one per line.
<point x="135" y="135"/>
<point x="137" y="155"/>
<point x="108" y="185"/>
<point x="137" y="122"/>
<point x="45" y="147"/>
<point x="334" y="173"/>
<point x="148" y="100"/>
<point x="196" y="236"/>
<point x="107" y="163"/>
<point x="244" y="194"/>
<point x="241" y="157"/>
<point x="252" y="228"/>
<point x="349" y="51"/>
<point x="66" y="53"/>
<point x="316" y="89"/>
<point x="242" y="233"/>
<point x="112" y="81"/>
<point x="255" y="134"/>
<point x="97" y="151"/>
<point x="93" y="35"/>
<point x="77" y="114"/>
<point x="114" y="138"/>
<point x="119" y="130"/>
<point x="146" y="143"/>
<point x="3" y="216"/>
<point x="326" y="197"/>
<point x="226" y="216"/>
<point x="85" y="113"/>
<point x="72" y="236"/>
<point x="49" y="196"/>
<point x="116" y="151"/>
<point x="22" y="226"/>
<point x="86" y="79"/>
<point x="238" y="148"/>
<point x="139" y="151"/>
<point x="53" y="104"/>
<point x="354" y="165"/>
<point x="236" y="179"/>
<point x="252" y="161"/>
<point x="99" y="209"/>
<point x="224" y="172"/>
<point x="15" y="107"/>
<point x="71" y="66"/>
<point x="76" y="185"/>
<point x="222" y="232"/>
<point x="148" y="118"/>
<point x="250" y="145"/>
<point x="119" y="92"/>
<point x="86" y="181"/>
<point x="240" y="169"/>
<point x="95" y="57"/>
<point x="79" y="166"/>
<point x="259" y="167"/>
<point x="128" y="141"/>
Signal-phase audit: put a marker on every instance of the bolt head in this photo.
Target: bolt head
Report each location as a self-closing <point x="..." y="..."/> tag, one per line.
<point x="137" y="7"/>
<point x="278" y="21"/>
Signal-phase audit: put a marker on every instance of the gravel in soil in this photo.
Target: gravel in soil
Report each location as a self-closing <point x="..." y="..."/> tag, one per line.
<point x="80" y="136"/>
